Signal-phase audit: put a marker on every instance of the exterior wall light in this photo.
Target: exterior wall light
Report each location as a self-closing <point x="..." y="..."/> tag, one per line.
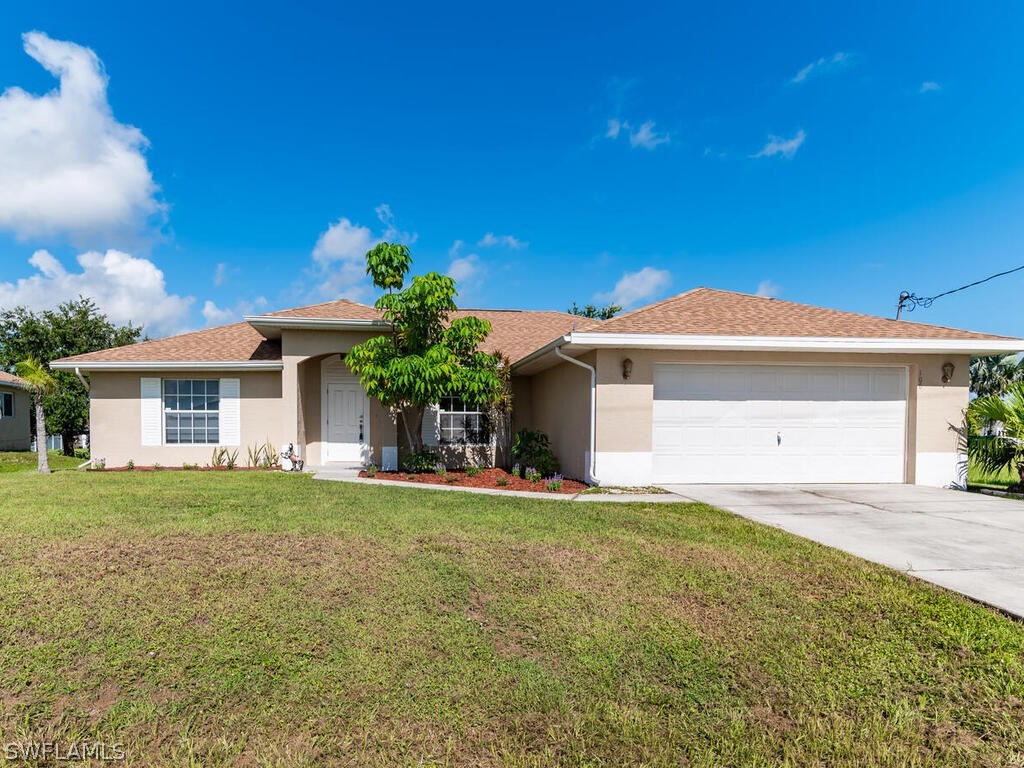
<point x="627" y="368"/>
<point x="947" y="372"/>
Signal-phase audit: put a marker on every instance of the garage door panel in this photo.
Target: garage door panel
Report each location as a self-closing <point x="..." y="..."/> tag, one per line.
<point x="722" y="424"/>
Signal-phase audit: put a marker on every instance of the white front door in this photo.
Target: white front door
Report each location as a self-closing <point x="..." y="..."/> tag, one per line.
<point x="779" y="424"/>
<point x="348" y="422"/>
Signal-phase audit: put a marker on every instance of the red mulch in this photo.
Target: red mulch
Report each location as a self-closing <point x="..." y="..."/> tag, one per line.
<point x="488" y="478"/>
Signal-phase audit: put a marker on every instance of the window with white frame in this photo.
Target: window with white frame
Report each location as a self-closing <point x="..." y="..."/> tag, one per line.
<point x="461" y="424"/>
<point x="6" y="405"/>
<point x="191" y="411"/>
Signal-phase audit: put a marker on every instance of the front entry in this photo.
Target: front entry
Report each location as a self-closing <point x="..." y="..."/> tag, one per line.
<point x="347" y="423"/>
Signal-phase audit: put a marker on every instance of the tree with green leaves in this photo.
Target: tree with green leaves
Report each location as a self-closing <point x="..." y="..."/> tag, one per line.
<point x="595" y="312"/>
<point x="426" y="356"/>
<point x="73" y="328"/>
<point x="41" y="385"/>
<point x="1006" y="449"/>
<point x="994" y="374"/>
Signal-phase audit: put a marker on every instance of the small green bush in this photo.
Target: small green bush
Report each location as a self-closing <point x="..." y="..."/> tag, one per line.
<point x="473" y="471"/>
<point x="532" y="448"/>
<point x="371" y="471"/>
<point x="424" y="461"/>
<point x="502" y="480"/>
<point x="130" y="465"/>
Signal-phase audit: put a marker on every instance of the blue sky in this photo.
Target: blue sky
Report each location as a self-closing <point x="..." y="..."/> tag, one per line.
<point x="242" y="158"/>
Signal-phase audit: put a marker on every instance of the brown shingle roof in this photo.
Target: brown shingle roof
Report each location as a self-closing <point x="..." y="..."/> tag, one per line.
<point x="340" y="309"/>
<point x="10" y="378"/>
<point x="237" y="342"/>
<point x="709" y="312"/>
<point x="518" y="332"/>
<point x="515" y="333"/>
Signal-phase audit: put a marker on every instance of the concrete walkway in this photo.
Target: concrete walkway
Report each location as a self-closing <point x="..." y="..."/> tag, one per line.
<point x="967" y="542"/>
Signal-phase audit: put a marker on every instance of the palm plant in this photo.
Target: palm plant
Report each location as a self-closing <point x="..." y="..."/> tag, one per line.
<point x="992" y="375"/>
<point x="40" y="384"/>
<point x="1005" y="450"/>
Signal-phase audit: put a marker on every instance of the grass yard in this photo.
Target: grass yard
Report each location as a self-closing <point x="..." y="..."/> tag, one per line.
<point x="977" y="476"/>
<point x="265" y="619"/>
<point x="26" y="461"/>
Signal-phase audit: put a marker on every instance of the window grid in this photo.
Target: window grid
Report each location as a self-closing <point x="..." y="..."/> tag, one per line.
<point x="461" y="425"/>
<point x="191" y="411"/>
<point x="7" y="405"/>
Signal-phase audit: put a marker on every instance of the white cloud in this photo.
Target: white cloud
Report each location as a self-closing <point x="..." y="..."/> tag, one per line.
<point x="635" y="287"/>
<point x="929" y="86"/>
<point x="68" y="168"/>
<point x="220" y="275"/>
<point x="645" y="137"/>
<point x="508" y="241"/>
<point x="339" y="256"/>
<point x="214" y="315"/>
<point x="821" y="66"/>
<point x="126" y="288"/>
<point x="779" y="146"/>
<point x="464" y="269"/>
<point x="768" y="289"/>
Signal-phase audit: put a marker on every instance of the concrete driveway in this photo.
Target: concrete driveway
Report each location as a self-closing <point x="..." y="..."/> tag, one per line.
<point x="967" y="542"/>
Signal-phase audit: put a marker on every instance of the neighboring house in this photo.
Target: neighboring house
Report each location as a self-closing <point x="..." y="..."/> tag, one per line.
<point x="707" y="386"/>
<point x="15" y="407"/>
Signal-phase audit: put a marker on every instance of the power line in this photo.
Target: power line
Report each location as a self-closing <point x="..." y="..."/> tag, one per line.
<point x="911" y="301"/>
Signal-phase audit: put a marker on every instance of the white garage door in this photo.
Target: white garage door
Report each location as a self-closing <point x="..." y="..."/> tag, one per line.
<point x="778" y="424"/>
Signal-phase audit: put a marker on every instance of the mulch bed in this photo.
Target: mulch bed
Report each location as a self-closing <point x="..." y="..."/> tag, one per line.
<point x="488" y="478"/>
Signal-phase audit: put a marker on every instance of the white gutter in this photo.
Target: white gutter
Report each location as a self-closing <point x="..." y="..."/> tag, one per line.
<point x="171" y="365"/>
<point x="801" y="343"/>
<point x="593" y="408"/>
<point x="314" y="323"/>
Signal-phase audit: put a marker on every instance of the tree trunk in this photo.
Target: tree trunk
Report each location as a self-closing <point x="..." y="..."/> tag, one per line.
<point x="41" y="455"/>
<point x="68" y="440"/>
<point x="412" y="420"/>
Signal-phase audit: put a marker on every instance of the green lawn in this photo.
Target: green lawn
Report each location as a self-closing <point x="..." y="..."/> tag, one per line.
<point x="977" y="476"/>
<point x="26" y="461"/>
<point x="265" y="619"/>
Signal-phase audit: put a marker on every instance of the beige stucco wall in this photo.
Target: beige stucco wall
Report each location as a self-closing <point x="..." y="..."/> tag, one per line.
<point x="312" y="394"/>
<point x="559" y="406"/>
<point x="115" y="412"/>
<point x="301" y="410"/>
<point x="625" y="412"/>
<point x="15" y="432"/>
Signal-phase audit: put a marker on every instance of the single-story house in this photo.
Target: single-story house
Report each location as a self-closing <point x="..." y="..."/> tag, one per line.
<point x="15" y="407"/>
<point x="707" y="386"/>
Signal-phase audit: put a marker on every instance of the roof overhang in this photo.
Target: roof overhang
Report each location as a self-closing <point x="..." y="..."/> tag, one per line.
<point x="578" y="343"/>
<point x="271" y="326"/>
<point x="169" y="365"/>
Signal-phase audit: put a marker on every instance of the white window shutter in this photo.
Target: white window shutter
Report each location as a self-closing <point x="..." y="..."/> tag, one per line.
<point x="230" y="412"/>
<point x="152" y="411"/>
<point x="431" y="430"/>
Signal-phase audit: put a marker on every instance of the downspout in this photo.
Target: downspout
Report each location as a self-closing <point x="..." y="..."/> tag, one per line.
<point x="593" y="409"/>
<point x="81" y="378"/>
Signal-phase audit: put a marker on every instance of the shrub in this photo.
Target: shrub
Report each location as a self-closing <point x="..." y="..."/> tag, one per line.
<point x="262" y="455"/>
<point x="130" y="465"/>
<point x="190" y="467"/>
<point x="502" y="480"/>
<point x="555" y="483"/>
<point x="423" y="461"/>
<point x="440" y="469"/>
<point x="532" y="475"/>
<point x="533" y="449"/>
<point x="517" y="470"/>
<point x="472" y="471"/>
<point x="371" y="471"/>
<point x="157" y="466"/>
